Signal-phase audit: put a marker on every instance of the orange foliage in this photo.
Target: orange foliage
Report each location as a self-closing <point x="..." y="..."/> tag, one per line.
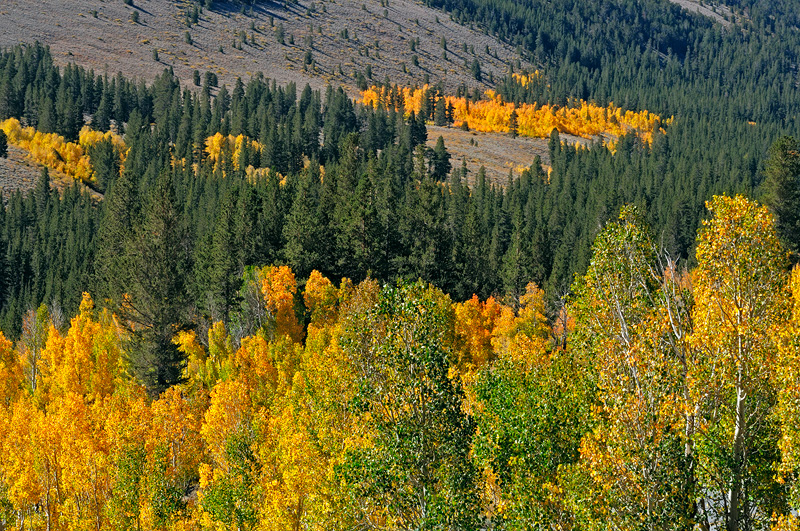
<point x="475" y="322"/>
<point x="279" y="287"/>
<point x="493" y="114"/>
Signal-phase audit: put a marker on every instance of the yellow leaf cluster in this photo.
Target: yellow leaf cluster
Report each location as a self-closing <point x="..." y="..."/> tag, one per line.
<point x="278" y="285"/>
<point x="493" y="115"/>
<point x="526" y="79"/>
<point x="51" y="150"/>
<point x="219" y="145"/>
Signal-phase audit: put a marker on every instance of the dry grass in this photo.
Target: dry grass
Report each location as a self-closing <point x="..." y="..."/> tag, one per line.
<point x="111" y="42"/>
<point x="498" y="153"/>
<point x="18" y="172"/>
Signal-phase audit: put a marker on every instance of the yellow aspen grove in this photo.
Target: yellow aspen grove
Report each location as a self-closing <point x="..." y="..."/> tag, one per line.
<point x="493" y="115"/>
<point x="53" y="151"/>
<point x="84" y="475"/>
<point x="740" y="307"/>
<point x="228" y="493"/>
<point x="219" y="146"/>
<point x="86" y="360"/>
<point x="23" y="467"/>
<point x="175" y="451"/>
<point x="292" y="464"/>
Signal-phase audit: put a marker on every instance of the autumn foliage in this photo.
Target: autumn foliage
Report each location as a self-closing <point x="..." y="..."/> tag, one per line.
<point x="364" y="406"/>
<point x="493" y="115"/>
<point x="53" y="151"/>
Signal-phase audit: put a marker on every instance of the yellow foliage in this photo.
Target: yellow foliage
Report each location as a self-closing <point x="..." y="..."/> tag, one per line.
<point x="526" y="79"/>
<point x="293" y="468"/>
<point x="218" y="146"/>
<point x="255" y="368"/>
<point x="86" y="360"/>
<point x="321" y="297"/>
<point x="23" y="462"/>
<point x="11" y="378"/>
<point x="789" y="389"/>
<point x="492" y="115"/>
<point x="523" y="337"/>
<point x="278" y="286"/>
<point x="229" y="413"/>
<point x="53" y="151"/>
<point x="474" y="324"/>
<point x="176" y="420"/>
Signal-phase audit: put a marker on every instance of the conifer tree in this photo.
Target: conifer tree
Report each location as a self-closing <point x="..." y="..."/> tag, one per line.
<point x="782" y="190"/>
<point x="155" y="305"/>
<point x="441" y="160"/>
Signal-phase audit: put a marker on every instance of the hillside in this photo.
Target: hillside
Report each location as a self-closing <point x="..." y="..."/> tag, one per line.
<point x="343" y="37"/>
<point x="111" y="42"/>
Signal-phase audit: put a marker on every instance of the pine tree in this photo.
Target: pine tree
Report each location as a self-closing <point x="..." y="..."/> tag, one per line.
<point x="440" y="113"/>
<point x="155" y="305"/>
<point x="302" y="230"/>
<point x="512" y="124"/>
<point x="782" y="190"/>
<point x="441" y="160"/>
<point x="3" y="144"/>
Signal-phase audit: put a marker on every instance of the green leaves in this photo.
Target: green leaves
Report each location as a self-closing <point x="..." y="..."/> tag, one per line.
<point x="416" y="472"/>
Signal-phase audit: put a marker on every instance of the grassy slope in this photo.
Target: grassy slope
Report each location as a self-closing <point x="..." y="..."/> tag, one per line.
<point x="111" y="42"/>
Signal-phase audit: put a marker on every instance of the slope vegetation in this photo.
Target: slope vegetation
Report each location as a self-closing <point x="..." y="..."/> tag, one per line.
<point x="323" y="42"/>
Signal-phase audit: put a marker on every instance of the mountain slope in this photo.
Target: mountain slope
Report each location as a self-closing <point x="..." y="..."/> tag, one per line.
<point x="343" y="38"/>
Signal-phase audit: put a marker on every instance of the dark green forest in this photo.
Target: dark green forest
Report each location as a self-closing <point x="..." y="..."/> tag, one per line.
<point x="385" y="209"/>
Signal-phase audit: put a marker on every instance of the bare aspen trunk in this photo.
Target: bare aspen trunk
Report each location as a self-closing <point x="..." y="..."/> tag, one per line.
<point x="734" y="516"/>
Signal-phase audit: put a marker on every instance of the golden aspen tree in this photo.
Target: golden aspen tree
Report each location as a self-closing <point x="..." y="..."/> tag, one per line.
<point x="35" y="328"/>
<point x="634" y="459"/>
<point x="321" y="298"/>
<point x="21" y="466"/>
<point x="740" y="306"/>
<point x="86" y="360"/>
<point x="174" y="454"/>
<point x="474" y="324"/>
<point x="84" y="475"/>
<point x="128" y="420"/>
<point x="292" y="467"/>
<point x="11" y="375"/>
<point x="229" y="494"/>
<point x="788" y="382"/>
<point x="278" y="286"/>
<point x="206" y="368"/>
